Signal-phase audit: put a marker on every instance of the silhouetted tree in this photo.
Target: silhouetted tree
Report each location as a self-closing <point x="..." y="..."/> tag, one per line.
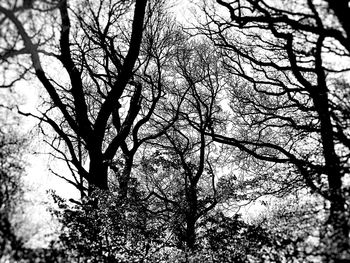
<point x="288" y="92"/>
<point x="109" y="80"/>
<point x="180" y="167"/>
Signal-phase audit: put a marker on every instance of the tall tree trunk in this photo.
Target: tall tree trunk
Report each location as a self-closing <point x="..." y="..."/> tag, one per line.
<point x="191" y="217"/>
<point x="191" y="232"/>
<point x="338" y="238"/>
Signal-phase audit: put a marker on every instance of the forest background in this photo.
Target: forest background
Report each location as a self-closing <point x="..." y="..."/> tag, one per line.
<point x="166" y="126"/>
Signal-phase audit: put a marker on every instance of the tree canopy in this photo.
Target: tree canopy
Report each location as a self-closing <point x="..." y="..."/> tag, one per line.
<point x="168" y="127"/>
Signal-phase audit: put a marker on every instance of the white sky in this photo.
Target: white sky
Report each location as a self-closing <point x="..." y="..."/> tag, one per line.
<point x="35" y="221"/>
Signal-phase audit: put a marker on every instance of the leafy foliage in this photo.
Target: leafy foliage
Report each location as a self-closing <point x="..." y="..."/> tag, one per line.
<point x="104" y="228"/>
<point x="230" y="239"/>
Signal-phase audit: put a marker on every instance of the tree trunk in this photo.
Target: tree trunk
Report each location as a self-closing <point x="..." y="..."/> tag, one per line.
<point x="191" y="217"/>
<point x="191" y="232"/>
<point x="338" y="238"/>
<point x="124" y="178"/>
<point x="98" y="174"/>
<point x="341" y="9"/>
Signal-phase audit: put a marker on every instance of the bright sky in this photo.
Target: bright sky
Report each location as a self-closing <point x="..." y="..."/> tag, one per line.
<point x="36" y="221"/>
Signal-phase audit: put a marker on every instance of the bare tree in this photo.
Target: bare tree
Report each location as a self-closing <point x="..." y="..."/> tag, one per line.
<point x="106" y="83"/>
<point x="287" y="65"/>
<point x="180" y="167"/>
